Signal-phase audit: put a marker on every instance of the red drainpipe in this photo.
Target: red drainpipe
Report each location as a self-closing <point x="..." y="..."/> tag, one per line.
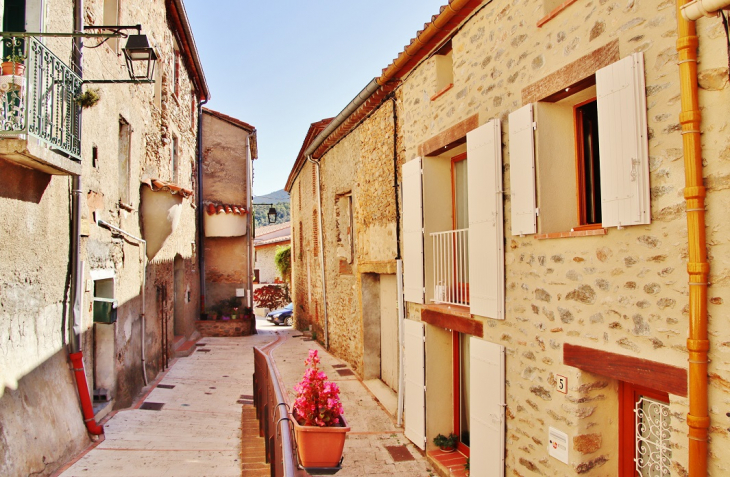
<point x="77" y="359"/>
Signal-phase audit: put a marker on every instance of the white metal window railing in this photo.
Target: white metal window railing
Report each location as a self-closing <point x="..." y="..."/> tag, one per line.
<point x="653" y="456"/>
<point x="451" y="267"/>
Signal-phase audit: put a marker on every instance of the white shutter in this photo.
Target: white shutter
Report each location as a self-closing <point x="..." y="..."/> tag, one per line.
<point x="412" y="232"/>
<point x="415" y="397"/>
<point x="522" y="171"/>
<point x="486" y="419"/>
<point x="622" y="142"/>
<point x="486" y="234"/>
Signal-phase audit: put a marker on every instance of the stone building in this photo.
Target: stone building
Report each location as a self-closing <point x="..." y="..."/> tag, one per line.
<point x="98" y="225"/>
<point x="229" y="149"/>
<point x="553" y="192"/>
<point x="267" y="241"/>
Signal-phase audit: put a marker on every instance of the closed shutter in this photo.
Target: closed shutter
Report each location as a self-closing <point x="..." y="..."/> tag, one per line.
<point x="415" y="394"/>
<point x="622" y="141"/>
<point x="486" y="234"/>
<point x="486" y="420"/>
<point x="412" y="232"/>
<point x="522" y="171"/>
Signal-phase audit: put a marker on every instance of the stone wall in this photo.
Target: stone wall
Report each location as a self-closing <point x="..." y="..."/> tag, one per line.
<point x="35" y="231"/>
<point x="226" y="328"/>
<point x="625" y="291"/>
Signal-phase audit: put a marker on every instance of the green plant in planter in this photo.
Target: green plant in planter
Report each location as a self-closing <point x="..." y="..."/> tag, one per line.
<point x="446" y="443"/>
<point x="88" y="98"/>
<point x="16" y="57"/>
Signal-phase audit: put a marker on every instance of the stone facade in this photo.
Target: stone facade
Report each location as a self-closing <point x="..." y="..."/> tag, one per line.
<point x="127" y="137"/>
<point x="624" y="291"/>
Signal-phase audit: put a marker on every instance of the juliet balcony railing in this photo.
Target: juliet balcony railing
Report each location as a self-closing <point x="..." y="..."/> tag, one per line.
<point x="451" y="267"/>
<point x="39" y="101"/>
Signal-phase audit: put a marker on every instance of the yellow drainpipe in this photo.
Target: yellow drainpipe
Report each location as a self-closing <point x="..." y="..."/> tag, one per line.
<point x="698" y="418"/>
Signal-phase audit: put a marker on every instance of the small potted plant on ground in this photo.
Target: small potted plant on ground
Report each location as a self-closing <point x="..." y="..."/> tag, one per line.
<point x="446" y="443"/>
<point x="319" y="427"/>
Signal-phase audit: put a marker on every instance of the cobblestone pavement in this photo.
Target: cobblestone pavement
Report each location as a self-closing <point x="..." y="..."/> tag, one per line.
<point x="373" y="429"/>
<point x="197" y="432"/>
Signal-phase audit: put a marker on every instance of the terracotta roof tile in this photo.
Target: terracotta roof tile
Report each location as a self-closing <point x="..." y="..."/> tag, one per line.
<point x="213" y="209"/>
<point x="158" y="185"/>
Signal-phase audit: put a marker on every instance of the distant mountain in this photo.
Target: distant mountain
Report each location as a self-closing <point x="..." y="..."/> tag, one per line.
<point x="275" y="197"/>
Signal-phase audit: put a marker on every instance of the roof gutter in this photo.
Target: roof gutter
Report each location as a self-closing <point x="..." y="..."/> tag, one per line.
<point x="411" y="52"/>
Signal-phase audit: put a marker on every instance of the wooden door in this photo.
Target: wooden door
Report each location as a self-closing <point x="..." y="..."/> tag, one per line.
<point x="389" y="331"/>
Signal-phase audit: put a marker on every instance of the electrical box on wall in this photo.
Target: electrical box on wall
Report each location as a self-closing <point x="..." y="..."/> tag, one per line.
<point x="105" y="310"/>
<point x="558" y="445"/>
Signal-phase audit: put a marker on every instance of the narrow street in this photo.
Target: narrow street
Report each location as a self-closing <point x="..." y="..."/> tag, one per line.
<point x="189" y="424"/>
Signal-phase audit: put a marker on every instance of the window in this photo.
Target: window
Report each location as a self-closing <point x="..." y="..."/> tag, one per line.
<point x="345" y="241"/>
<point x="158" y="88"/>
<point x="174" y="159"/>
<point x="579" y="157"/>
<point x="444" y="70"/>
<point x="644" y="430"/>
<point x="124" y="161"/>
<point x="111" y="17"/>
<point x="175" y="71"/>
<point x="193" y="107"/>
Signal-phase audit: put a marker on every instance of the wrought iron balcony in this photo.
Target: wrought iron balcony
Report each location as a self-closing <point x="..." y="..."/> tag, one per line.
<point x="39" y="118"/>
<point x="451" y="267"/>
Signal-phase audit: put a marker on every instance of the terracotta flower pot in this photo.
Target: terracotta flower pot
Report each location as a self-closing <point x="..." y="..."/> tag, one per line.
<point x="10" y="68"/>
<point x="320" y="446"/>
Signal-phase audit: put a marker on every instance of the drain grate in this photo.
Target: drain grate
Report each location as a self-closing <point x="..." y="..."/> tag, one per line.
<point x="339" y="366"/>
<point x="166" y="386"/>
<point x="246" y="396"/>
<point x="203" y="350"/>
<point x="345" y="372"/>
<point x="245" y="401"/>
<point x="199" y="344"/>
<point x="399" y="453"/>
<point x="152" y="406"/>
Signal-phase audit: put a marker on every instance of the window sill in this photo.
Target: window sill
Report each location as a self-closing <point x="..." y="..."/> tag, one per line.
<point x="555" y="12"/>
<point x="452" y="317"/>
<point x="572" y="233"/>
<point x="442" y="91"/>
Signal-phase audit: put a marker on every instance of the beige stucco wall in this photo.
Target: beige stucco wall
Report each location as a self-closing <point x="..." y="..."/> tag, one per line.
<point x="34" y="260"/>
<point x="624" y="292"/>
<point x="265" y="264"/>
<point x="226" y="163"/>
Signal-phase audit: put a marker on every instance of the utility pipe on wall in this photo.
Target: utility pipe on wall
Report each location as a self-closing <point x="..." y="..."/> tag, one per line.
<point x="201" y="231"/>
<point x="142" y="242"/>
<point x="320" y="236"/>
<point x="698" y="267"/>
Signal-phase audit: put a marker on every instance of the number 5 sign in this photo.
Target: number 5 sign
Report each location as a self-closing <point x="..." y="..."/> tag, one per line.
<point x="561" y="384"/>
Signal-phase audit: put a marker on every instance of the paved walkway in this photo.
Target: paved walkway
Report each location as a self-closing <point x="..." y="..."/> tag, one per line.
<point x="197" y="429"/>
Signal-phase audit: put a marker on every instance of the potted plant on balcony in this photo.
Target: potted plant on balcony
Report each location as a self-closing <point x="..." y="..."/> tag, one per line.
<point x="446" y="443"/>
<point x="319" y="427"/>
<point x="14" y="63"/>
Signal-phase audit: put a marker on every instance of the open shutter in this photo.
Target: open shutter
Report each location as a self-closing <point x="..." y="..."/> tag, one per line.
<point x="522" y="171"/>
<point x="486" y="422"/>
<point x="486" y="234"/>
<point x="622" y="142"/>
<point x="412" y="232"/>
<point x="415" y="379"/>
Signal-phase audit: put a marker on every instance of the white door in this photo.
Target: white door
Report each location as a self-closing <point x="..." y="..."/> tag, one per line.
<point x="415" y="380"/>
<point x="413" y="232"/>
<point x="487" y="417"/>
<point x="389" y="331"/>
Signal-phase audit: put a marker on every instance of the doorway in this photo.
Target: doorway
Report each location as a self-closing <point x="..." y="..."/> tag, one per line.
<point x="462" y="389"/>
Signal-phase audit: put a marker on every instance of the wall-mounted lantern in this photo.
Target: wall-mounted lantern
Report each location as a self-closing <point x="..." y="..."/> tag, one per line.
<point x="141" y="58"/>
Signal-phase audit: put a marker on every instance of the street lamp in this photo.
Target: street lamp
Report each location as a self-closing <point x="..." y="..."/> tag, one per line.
<point x="272" y="215"/>
<point x="138" y="51"/>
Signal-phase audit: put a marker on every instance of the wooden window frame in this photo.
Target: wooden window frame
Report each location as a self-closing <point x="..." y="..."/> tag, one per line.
<point x="580" y="173"/>
<point x="628" y="396"/>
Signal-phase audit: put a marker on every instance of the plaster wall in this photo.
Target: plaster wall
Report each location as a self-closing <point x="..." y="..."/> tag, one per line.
<point x="35" y="232"/>
<point x="624" y="292"/>
<point x="265" y="264"/>
<point x="225" y="181"/>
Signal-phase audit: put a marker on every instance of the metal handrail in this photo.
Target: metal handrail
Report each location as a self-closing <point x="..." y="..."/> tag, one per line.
<point x="451" y="266"/>
<point x="41" y="101"/>
<point x="277" y="432"/>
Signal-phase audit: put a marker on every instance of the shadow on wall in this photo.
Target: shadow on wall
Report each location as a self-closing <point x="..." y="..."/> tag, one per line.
<point x="21" y="183"/>
<point x="41" y="426"/>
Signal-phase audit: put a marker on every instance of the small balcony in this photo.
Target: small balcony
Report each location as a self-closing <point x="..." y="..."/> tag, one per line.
<point x="451" y="267"/>
<point x="39" y="119"/>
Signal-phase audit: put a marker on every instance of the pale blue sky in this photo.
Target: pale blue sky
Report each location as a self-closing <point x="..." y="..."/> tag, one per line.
<point x="282" y="65"/>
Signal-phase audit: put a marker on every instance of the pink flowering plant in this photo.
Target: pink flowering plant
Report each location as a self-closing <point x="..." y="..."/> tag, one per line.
<point x="318" y="400"/>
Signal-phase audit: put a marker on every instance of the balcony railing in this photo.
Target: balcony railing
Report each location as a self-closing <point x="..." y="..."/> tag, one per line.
<point x="40" y="100"/>
<point x="451" y="267"/>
